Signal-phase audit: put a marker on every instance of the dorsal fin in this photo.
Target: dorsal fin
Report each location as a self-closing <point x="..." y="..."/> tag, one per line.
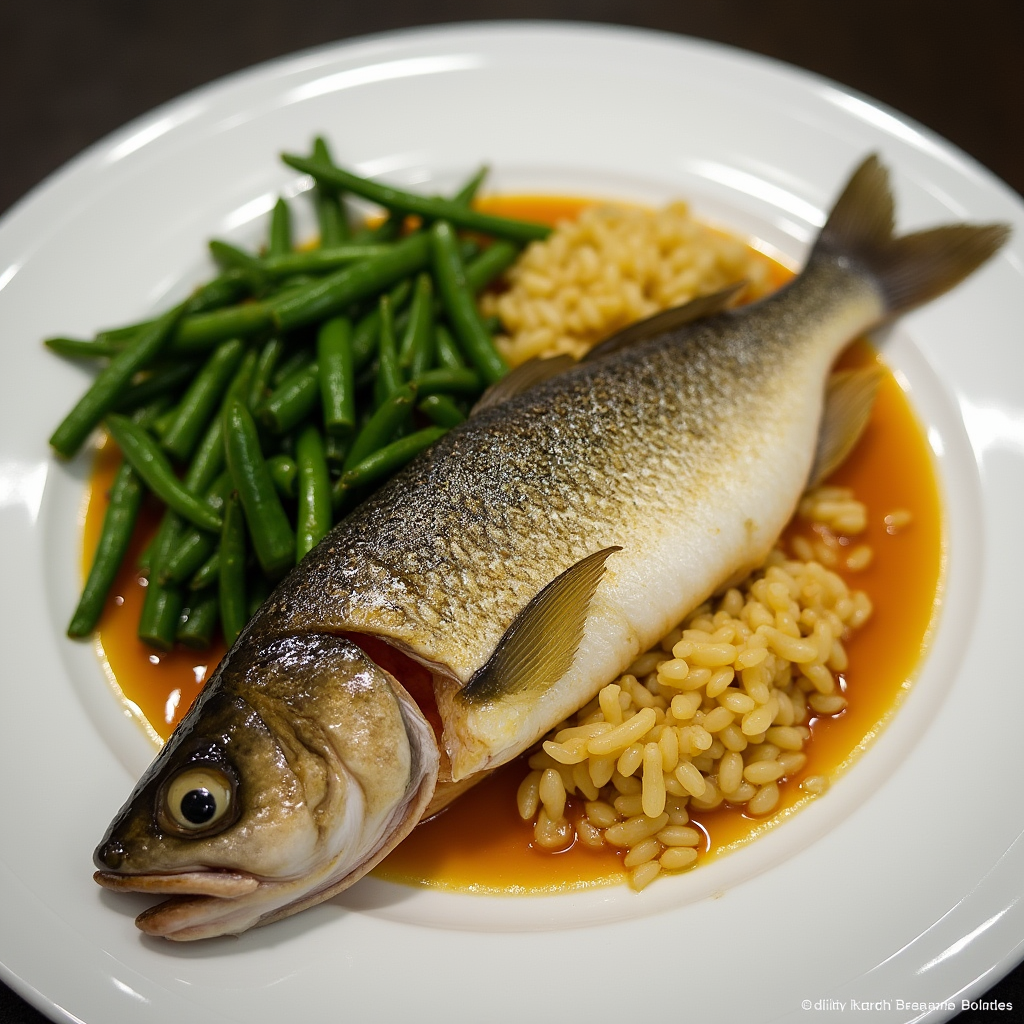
<point x="849" y="396"/>
<point x="667" y="320"/>
<point x="538" y="648"/>
<point x="521" y="379"/>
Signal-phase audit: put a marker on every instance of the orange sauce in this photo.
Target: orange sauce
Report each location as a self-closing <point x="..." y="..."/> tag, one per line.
<point x="479" y="843"/>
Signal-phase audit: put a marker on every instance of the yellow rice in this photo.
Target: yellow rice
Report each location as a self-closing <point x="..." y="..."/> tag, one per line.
<point x="610" y="267"/>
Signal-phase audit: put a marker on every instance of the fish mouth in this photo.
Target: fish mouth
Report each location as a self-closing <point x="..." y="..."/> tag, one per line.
<point x="222" y="884"/>
<point x="199" y="900"/>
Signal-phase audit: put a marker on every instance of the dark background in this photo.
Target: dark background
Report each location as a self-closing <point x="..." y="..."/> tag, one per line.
<point x="70" y="72"/>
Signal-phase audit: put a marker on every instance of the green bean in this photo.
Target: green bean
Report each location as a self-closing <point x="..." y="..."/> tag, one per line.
<point x="466" y="194"/>
<point x="490" y="264"/>
<point x="389" y="373"/>
<point x="293" y="401"/>
<point x="280" y="229"/>
<point x="448" y="355"/>
<point x="366" y="331"/>
<point x="450" y="382"/>
<point x="118" y="523"/>
<point x="460" y="305"/>
<point x="200" y="400"/>
<point x="441" y="410"/>
<point x="271" y="533"/>
<point x="391" y="457"/>
<point x="208" y="573"/>
<point x="376" y="432"/>
<point x="319" y="261"/>
<point x="417" y="350"/>
<point x="284" y="471"/>
<point x="267" y="360"/>
<point x="194" y="546"/>
<point x="199" y="619"/>
<point x="297" y="360"/>
<point x="234" y="612"/>
<point x="223" y="290"/>
<point x="230" y="256"/>
<point x="78" y="348"/>
<point x="314" y="492"/>
<point x="111" y="383"/>
<point x="425" y="206"/>
<point x="337" y="375"/>
<point x="330" y="209"/>
<point x="208" y="460"/>
<point x="336" y="292"/>
<point x="145" y="455"/>
<point x="147" y="415"/>
<point x="161" y="607"/>
<point x="160" y="382"/>
<point x="203" y="331"/>
<point x="163" y="421"/>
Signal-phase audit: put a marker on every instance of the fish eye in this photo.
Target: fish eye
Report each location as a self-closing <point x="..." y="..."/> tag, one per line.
<point x="198" y="799"/>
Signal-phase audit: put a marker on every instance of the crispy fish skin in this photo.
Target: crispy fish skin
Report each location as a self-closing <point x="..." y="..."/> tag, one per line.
<point x="525" y="560"/>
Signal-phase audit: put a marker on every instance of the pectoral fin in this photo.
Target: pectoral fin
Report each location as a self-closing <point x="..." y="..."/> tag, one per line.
<point x="539" y="646"/>
<point x="668" y="320"/>
<point x="849" y="397"/>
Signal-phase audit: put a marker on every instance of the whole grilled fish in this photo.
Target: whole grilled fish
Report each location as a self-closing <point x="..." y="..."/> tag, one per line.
<point x="525" y="560"/>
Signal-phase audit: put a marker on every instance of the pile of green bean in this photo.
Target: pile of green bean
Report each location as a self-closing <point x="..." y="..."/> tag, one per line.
<point x="265" y="406"/>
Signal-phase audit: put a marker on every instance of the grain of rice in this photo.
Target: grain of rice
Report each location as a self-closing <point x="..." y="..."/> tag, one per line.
<point x="630" y="759"/>
<point x="815" y="784"/>
<point x="550" y="834"/>
<point x="623" y="735"/>
<point x="551" y="790"/>
<point x="634" y="829"/>
<point x="589" y="835"/>
<point x="859" y="558"/>
<point x="764" y="800"/>
<point x="679" y="835"/>
<point x="762" y="772"/>
<point x="642" y="876"/>
<point x="583" y="782"/>
<point x="898" y="519"/>
<point x="677" y="858"/>
<point x="601" y="814"/>
<point x="642" y="852"/>
<point x="528" y="796"/>
<point x="653" y="781"/>
<point x="827" y="704"/>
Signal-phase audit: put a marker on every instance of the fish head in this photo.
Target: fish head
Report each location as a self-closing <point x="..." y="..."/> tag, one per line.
<point x="299" y="767"/>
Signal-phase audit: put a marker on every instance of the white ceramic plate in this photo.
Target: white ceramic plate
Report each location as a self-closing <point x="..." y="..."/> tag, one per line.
<point x="901" y="885"/>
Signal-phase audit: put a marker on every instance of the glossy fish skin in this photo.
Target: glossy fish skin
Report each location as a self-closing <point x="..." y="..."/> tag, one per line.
<point x="674" y="461"/>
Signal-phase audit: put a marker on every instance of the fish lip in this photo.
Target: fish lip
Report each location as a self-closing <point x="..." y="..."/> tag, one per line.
<point x="208" y="882"/>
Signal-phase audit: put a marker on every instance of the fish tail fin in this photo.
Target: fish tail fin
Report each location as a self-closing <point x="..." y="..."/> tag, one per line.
<point x="910" y="269"/>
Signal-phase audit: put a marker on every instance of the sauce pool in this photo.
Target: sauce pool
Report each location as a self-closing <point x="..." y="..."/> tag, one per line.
<point x="479" y="842"/>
